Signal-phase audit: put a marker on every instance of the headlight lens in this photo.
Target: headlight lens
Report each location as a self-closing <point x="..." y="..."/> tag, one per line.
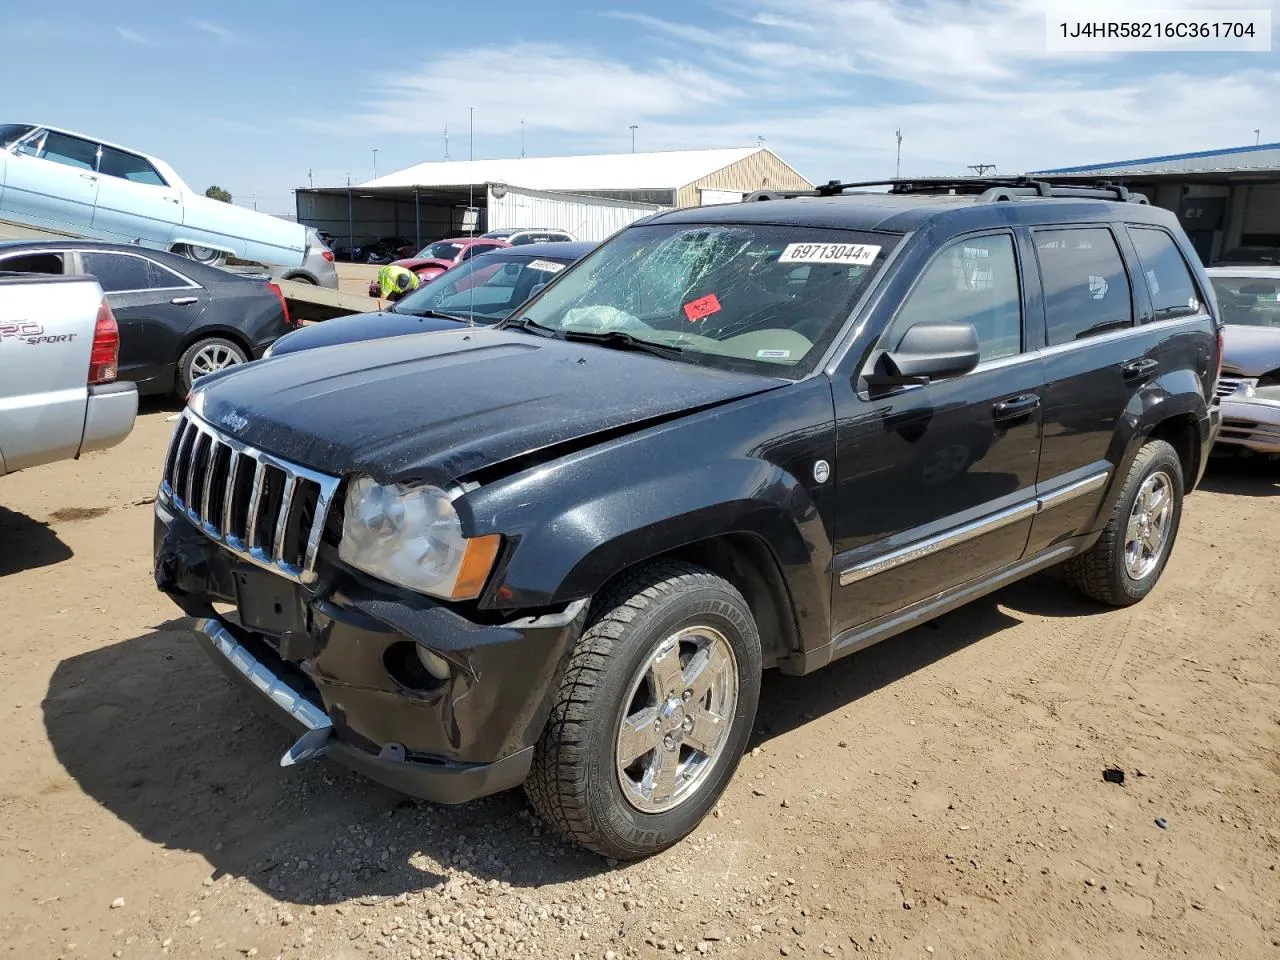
<point x="412" y="536"/>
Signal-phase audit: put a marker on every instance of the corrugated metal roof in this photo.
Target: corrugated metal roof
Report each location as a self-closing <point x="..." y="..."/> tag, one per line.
<point x="1264" y="156"/>
<point x="668" y="170"/>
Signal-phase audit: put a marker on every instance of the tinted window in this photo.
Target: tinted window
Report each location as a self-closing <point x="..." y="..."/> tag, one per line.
<point x="162" y="278"/>
<point x="1086" y="290"/>
<point x="1173" y="292"/>
<point x="127" y="166"/>
<point x="117" y="272"/>
<point x="974" y="280"/>
<point x="11" y="132"/>
<point x="32" y="263"/>
<point x="476" y="250"/>
<point x="72" y="151"/>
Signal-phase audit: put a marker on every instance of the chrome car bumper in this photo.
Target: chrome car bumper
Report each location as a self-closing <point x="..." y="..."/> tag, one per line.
<point x="1250" y="420"/>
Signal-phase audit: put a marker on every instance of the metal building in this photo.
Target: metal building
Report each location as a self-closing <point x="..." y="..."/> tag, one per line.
<point x="1228" y="200"/>
<point x="591" y="196"/>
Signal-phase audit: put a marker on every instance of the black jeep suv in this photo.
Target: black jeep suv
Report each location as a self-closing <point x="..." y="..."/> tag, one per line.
<point x="560" y="552"/>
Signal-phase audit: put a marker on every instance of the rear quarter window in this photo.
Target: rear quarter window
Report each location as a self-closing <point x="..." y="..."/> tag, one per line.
<point x="1169" y="281"/>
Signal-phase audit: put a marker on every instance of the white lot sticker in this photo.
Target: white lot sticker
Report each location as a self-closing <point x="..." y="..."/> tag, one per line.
<point x="1098" y="286"/>
<point x="547" y="266"/>
<point x="773" y="354"/>
<point x="852" y="254"/>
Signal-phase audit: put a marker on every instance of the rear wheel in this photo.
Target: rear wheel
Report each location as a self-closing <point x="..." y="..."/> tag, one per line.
<point x="207" y="356"/>
<point x="206" y="255"/>
<point x="1126" y="562"/>
<point x="653" y="713"/>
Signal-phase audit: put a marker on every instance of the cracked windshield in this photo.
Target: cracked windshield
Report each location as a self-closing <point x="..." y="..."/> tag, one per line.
<point x="759" y="298"/>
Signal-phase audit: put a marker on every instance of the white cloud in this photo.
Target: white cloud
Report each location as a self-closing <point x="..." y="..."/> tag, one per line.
<point x="224" y="34"/>
<point x="132" y="36"/>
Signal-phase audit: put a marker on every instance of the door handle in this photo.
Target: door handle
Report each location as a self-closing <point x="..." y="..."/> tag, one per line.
<point x="183" y="301"/>
<point x="1136" y="369"/>
<point x="87" y="176"/>
<point x="1014" y="407"/>
<point x="173" y="199"/>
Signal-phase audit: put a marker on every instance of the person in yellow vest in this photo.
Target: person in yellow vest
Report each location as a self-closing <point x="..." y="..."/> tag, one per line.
<point x="395" y="281"/>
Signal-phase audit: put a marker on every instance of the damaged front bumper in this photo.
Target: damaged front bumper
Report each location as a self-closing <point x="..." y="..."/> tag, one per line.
<point x="337" y="662"/>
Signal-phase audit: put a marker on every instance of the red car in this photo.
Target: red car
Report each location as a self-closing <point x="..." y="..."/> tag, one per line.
<point x="435" y="258"/>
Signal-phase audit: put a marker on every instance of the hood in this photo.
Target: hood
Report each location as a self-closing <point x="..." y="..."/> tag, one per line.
<point x="438" y="408"/>
<point x="356" y="327"/>
<point x="422" y="263"/>
<point x="1250" y="351"/>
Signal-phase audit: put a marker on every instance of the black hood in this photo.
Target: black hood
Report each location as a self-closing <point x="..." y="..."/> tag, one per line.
<point x="360" y="326"/>
<point x="440" y="407"/>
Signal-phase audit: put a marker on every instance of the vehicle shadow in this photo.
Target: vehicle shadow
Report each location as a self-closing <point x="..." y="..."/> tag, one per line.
<point x="1242" y="476"/>
<point x="26" y="544"/>
<point x="160" y="403"/>
<point x="156" y="734"/>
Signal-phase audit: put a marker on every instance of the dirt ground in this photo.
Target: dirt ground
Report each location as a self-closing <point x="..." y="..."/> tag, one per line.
<point x="940" y="795"/>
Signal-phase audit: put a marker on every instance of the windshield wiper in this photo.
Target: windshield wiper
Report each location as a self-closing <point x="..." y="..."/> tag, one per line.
<point x="530" y="325"/>
<point x="431" y="313"/>
<point x="625" y="341"/>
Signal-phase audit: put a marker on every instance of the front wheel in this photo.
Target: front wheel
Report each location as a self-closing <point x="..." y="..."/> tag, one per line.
<point x="653" y="713"/>
<point x="1124" y="565"/>
<point x="207" y="356"/>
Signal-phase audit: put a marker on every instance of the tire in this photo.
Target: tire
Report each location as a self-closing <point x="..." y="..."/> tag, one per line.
<point x="207" y="356"/>
<point x="577" y="780"/>
<point x="1111" y="571"/>
<point x="304" y="278"/>
<point x="206" y="255"/>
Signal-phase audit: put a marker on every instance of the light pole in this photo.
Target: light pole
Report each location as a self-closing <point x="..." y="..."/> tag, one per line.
<point x="473" y="132"/>
<point x="375" y="163"/>
<point x="633" y="128"/>
<point x="521" y="139"/>
<point x="897" y="170"/>
<point x="1257" y="137"/>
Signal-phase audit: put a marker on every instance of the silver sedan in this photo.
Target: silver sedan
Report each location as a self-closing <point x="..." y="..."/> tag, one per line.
<point x="1249" y="388"/>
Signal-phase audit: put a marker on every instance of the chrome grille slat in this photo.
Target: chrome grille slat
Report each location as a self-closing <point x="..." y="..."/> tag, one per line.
<point x="282" y="520"/>
<point x="191" y="484"/>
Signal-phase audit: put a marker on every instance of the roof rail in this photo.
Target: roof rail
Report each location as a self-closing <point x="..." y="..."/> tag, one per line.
<point x="988" y="189"/>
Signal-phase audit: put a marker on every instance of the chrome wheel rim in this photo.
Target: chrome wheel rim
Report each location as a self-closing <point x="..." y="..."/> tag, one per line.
<point x="1147" y="535"/>
<point x="203" y="254"/>
<point x="676" y="719"/>
<point x="211" y="358"/>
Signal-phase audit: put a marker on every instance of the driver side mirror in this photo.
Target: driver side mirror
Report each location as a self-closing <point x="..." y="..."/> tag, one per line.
<point x="928" y="351"/>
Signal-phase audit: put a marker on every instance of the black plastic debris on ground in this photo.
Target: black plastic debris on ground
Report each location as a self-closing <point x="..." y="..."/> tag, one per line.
<point x="1113" y="775"/>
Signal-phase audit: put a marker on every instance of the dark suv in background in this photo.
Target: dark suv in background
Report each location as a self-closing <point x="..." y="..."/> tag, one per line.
<point x="560" y="551"/>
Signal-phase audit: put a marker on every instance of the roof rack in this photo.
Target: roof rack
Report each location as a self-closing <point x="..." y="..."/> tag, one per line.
<point x="988" y="189"/>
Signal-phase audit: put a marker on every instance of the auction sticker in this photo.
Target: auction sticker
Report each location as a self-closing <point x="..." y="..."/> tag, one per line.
<point x="851" y="254"/>
<point x="702" y="307"/>
<point x="546" y="266"/>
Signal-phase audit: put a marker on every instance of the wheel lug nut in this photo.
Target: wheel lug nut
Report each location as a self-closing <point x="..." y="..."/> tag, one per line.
<point x="688" y="723"/>
<point x="688" y="694"/>
<point x="668" y="742"/>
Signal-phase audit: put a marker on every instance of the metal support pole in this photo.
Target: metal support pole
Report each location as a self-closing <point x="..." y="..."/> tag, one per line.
<point x="417" y="217"/>
<point x="351" y="228"/>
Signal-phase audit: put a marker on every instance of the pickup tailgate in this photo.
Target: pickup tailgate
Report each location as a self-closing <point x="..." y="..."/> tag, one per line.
<point x="46" y="336"/>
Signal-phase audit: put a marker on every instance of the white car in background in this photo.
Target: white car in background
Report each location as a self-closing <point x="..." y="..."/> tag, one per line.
<point x="1249" y="388"/>
<point x="58" y="180"/>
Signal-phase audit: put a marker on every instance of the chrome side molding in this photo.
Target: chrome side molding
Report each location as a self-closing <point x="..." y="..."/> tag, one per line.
<point x="972" y="530"/>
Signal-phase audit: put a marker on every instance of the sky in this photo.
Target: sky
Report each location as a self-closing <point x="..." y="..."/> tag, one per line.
<point x="262" y="98"/>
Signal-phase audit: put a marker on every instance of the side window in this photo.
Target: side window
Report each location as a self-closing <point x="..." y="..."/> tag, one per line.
<point x="162" y="278"/>
<point x="974" y="280"/>
<point x="72" y="151"/>
<point x="128" y="166"/>
<point x="1086" y="289"/>
<point x="117" y="273"/>
<point x="32" y="263"/>
<point x="1173" y="291"/>
<point x="474" y="251"/>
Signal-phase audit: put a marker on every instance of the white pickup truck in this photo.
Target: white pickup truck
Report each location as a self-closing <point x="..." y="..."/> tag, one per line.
<point x="59" y="348"/>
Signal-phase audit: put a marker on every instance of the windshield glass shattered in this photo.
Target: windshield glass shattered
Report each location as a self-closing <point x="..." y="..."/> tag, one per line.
<point x="765" y="298"/>
<point x="1248" y="301"/>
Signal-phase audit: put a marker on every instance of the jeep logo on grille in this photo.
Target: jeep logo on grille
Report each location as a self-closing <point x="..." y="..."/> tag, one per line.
<point x="233" y="421"/>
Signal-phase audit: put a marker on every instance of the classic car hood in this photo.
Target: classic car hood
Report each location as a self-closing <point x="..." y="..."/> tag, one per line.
<point x="1250" y="351"/>
<point x="440" y="407"/>
<point x="359" y="326"/>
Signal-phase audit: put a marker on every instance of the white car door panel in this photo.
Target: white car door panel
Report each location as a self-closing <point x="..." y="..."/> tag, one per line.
<point x="134" y="202"/>
<point x="51" y="181"/>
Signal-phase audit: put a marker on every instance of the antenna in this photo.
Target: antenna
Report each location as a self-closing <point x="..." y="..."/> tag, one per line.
<point x="446" y="141"/>
<point x="982" y="169"/>
<point x="521" y="139"/>
<point x="897" y="169"/>
<point x="760" y="140"/>
<point x="310" y="181"/>
<point x="375" y="163"/>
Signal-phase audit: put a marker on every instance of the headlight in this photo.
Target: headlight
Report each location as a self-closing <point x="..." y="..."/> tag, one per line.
<point x="267" y="354"/>
<point x="412" y="536"/>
